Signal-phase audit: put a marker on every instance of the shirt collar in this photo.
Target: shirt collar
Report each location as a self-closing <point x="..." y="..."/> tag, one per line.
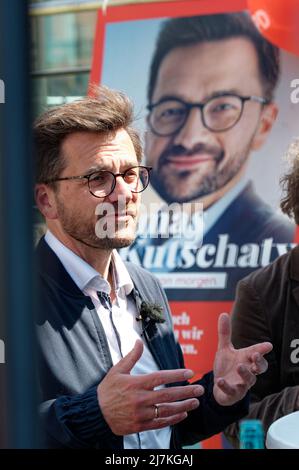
<point x="84" y="275"/>
<point x="121" y="276"/>
<point x="214" y="212"/>
<point x="210" y="216"/>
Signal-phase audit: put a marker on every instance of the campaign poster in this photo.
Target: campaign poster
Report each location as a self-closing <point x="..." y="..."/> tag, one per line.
<point x="216" y="113"/>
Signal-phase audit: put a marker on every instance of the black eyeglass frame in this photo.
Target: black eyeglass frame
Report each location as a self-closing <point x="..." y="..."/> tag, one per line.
<point x="201" y="106"/>
<point x="115" y="175"/>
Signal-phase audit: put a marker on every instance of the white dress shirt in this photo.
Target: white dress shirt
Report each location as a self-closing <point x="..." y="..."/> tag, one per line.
<point x="124" y="314"/>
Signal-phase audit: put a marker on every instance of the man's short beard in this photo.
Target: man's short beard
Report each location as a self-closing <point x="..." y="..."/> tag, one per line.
<point x="114" y="243"/>
<point x="166" y="187"/>
<point x="85" y="233"/>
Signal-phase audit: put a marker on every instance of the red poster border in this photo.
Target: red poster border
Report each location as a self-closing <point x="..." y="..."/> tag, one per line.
<point x="115" y="14"/>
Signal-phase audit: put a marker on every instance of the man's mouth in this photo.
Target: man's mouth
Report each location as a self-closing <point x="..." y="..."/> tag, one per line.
<point x="119" y="215"/>
<point x="188" y="161"/>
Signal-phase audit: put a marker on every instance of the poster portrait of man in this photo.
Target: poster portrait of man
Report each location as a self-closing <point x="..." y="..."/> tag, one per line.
<point x="212" y="97"/>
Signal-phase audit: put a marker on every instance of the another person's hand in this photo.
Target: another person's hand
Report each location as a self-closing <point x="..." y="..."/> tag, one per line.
<point x="235" y="370"/>
<point x="130" y="403"/>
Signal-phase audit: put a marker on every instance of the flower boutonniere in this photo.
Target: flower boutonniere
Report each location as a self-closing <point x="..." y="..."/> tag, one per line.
<point x="151" y="312"/>
<point x="147" y="312"/>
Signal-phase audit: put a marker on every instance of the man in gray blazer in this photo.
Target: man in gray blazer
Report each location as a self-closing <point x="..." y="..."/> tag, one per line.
<point x="111" y="372"/>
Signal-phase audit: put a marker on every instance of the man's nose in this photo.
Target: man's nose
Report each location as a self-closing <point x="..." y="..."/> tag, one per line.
<point x="193" y="131"/>
<point x="121" y="190"/>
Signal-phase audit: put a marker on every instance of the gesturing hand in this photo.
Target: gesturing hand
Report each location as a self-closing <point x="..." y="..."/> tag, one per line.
<point x="235" y="370"/>
<point x="128" y="402"/>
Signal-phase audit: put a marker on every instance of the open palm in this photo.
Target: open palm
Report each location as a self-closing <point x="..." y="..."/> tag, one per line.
<point x="235" y="370"/>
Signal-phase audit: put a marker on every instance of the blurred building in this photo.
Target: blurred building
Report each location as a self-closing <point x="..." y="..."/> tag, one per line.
<point x="62" y="40"/>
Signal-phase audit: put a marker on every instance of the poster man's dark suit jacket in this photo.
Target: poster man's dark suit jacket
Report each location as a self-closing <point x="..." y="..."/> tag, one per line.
<point x="75" y="357"/>
<point x="247" y="221"/>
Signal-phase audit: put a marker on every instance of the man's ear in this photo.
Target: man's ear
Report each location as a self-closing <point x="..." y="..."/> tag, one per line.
<point x="46" y="201"/>
<point x="267" y="120"/>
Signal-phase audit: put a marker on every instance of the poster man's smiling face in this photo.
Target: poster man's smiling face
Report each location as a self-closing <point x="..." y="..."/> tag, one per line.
<point x="195" y="162"/>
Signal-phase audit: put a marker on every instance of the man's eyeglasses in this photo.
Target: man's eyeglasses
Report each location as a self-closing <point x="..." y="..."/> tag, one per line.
<point x="102" y="183"/>
<point x="219" y="113"/>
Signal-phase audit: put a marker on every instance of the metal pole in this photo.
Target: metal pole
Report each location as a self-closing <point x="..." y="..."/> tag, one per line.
<point x="16" y="235"/>
<point x="3" y="367"/>
<point x="3" y="371"/>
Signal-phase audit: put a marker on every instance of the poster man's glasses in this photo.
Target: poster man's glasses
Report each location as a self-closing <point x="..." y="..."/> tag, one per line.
<point x="218" y="113"/>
